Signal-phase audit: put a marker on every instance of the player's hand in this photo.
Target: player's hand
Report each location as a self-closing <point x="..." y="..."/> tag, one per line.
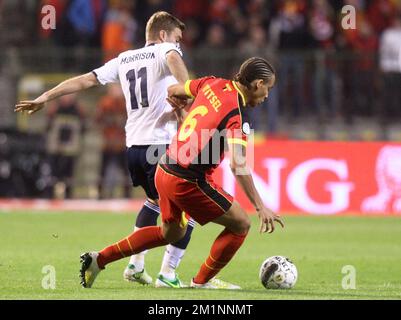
<point x="30" y="106"/>
<point x="267" y="219"/>
<point x="177" y="103"/>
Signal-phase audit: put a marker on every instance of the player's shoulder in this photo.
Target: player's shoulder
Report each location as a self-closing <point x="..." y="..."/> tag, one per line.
<point x="215" y="82"/>
<point x="126" y="53"/>
<point x="129" y="53"/>
<point x="166" y="47"/>
<point x="124" y="56"/>
<point x="128" y="57"/>
<point x="221" y="87"/>
<point x="229" y="92"/>
<point x="210" y="84"/>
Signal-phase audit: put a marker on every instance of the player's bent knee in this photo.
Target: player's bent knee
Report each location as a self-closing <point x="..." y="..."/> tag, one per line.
<point x="244" y="225"/>
<point x="235" y="219"/>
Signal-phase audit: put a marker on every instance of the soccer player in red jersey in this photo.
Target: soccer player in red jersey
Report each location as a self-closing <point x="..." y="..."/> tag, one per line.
<point x="183" y="177"/>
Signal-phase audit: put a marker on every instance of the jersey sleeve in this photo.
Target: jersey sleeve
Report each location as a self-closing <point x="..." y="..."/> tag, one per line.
<point x="192" y="87"/>
<point x="166" y="47"/>
<point x="237" y="131"/>
<point x="108" y="73"/>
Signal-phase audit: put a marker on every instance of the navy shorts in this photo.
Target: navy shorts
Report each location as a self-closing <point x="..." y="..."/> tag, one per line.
<point x="142" y="164"/>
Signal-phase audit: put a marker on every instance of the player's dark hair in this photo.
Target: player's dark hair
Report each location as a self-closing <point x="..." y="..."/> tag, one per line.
<point x="162" y="20"/>
<point x="252" y="69"/>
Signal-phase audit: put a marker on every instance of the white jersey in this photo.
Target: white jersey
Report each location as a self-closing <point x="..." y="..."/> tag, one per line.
<point x="144" y="77"/>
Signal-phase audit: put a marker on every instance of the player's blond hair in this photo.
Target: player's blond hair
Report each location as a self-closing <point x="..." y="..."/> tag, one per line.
<point x="162" y="20"/>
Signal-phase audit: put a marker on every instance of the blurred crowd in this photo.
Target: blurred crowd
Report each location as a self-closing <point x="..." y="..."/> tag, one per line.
<point x="323" y="68"/>
<point x="304" y="39"/>
<point x="116" y="25"/>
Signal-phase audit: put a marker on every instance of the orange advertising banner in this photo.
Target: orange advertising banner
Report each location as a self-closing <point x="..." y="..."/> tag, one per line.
<point x="324" y="178"/>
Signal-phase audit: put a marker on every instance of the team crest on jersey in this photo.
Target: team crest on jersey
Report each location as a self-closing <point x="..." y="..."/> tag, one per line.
<point x="246" y="128"/>
<point x="177" y="45"/>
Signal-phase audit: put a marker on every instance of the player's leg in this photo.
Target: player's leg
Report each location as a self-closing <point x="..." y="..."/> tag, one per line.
<point x="93" y="262"/>
<point x="167" y="277"/>
<point x="145" y="238"/>
<point x="135" y="270"/>
<point x="219" y="207"/>
<point x="174" y="252"/>
<point x="172" y="257"/>
<point x="142" y="162"/>
<point x="223" y="249"/>
<point x="142" y="239"/>
<point x="237" y="224"/>
<point x="147" y="216"/>
<point x="172" y="229"/>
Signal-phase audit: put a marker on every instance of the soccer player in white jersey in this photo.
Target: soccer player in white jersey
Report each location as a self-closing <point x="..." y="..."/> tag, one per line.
<point x="144" y="75"/>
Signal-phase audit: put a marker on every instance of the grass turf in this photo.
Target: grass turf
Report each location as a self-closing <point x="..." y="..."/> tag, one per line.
<point x="319" y="246"/>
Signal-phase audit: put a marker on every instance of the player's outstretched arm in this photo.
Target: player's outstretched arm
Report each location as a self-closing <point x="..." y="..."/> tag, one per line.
<point x="244" y="177"/>
<point x="68" y="86"/>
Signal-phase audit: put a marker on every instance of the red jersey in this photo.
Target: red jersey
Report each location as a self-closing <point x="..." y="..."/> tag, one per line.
<point x="213" y="120"/>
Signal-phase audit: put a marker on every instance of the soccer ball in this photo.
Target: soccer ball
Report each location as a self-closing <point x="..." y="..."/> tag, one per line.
<point x="278" y="272"/>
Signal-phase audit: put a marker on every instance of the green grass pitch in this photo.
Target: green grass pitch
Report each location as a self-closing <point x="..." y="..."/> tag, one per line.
<point x="319" y="246"/>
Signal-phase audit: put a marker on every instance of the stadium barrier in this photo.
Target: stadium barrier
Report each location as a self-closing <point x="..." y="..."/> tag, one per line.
<point x="325" y="178"/>
<point x="76" y="205"/>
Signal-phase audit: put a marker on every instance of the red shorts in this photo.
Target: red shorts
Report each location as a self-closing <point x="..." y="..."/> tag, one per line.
<point x="203" y="200"/>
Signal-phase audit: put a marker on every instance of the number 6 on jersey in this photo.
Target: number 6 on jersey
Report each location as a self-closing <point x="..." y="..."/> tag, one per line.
<point x="190" y="122"/>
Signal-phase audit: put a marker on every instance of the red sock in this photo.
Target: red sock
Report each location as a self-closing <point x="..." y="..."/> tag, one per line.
<point x="223" y="249"/>
<point x="142" y="239"/>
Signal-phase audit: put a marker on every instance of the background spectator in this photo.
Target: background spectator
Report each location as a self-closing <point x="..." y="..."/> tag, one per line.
<point x="220" y="62"/>
<point x="65" y="129"/>
<point x="81" y="23"/>
<point x="364" y="46"/>
<point x="111" y="117"/>
<point x="119" y="29"/>
<point x="288" y="32"/>
<point x="390" y="65"/>
<point x="257" y="44"/>
<point x="322" y="29"/>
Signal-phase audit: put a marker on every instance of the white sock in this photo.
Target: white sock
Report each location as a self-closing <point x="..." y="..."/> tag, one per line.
<point x="171" y="260"/>
<point x="138" y="260"/>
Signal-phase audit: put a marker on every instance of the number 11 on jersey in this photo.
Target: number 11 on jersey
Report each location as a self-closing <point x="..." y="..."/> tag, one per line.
<point x="142" y="76"/>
